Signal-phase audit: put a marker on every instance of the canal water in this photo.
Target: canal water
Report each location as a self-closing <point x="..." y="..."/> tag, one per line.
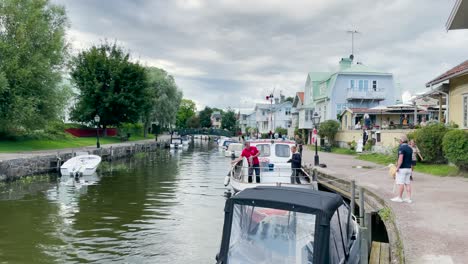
<point x="163" y="207"/>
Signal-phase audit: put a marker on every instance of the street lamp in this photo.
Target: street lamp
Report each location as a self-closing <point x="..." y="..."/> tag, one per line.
<point x="97" y="119"/>
<point x="316" y="122"/>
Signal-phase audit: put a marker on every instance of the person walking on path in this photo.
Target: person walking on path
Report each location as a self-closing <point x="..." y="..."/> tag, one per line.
<point x="296" y="165"/>
<point x="251" y="153"/>
<point x="415" y="155"/>
<point x="403" y="169"/>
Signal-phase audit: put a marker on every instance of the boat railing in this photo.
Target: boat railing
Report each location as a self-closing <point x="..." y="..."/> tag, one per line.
<point x="238" y="172"/>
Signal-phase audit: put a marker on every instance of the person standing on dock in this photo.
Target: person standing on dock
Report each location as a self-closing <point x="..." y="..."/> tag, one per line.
<point x="251" y="153"/>
<point x="403" y="169"/>
<point x="296" y="165"/>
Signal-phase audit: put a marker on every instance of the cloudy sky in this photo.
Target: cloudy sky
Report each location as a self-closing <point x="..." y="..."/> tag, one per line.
<point x="227" y="53"/>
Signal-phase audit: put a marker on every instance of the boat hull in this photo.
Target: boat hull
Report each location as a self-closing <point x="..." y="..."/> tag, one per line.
<point x="81" y="165"/>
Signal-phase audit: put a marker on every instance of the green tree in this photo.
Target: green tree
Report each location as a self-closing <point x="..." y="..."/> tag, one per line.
<point x="33" y="51"/>
<point x="165" y="98"/>
<point x="186" y="110"/>
<point x="110" y="85"/>
<point x="229" y="121"/>
<point x="193" y="122"/>
<point x="205" y="117"/>
<point x="289" y="99"/>
<point x="329" y="129"/>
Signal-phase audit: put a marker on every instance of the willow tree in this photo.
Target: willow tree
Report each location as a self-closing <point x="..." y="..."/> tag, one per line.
<point x="33" y="51"/>
<point x="165" y="98"/>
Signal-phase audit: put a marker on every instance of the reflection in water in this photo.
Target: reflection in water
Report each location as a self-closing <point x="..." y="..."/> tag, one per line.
<point x="166" y="207"/>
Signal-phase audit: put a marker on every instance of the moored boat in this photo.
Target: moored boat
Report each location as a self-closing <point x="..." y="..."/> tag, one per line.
<point x="274" y="168"/>
<point x="288" y="225"/>
<point x="233" y="150"/>
<point x="80" y="165"/>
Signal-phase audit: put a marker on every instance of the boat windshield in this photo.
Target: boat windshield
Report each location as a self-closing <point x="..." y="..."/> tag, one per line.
<point x="282" y="150"/>
<point x="264" y="149"/>
<point x="267" y="235"/>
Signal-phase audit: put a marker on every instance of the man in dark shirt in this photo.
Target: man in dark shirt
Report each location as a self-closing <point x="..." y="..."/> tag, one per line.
<point x="296" y="166"/>
<point x="403" y="174"/>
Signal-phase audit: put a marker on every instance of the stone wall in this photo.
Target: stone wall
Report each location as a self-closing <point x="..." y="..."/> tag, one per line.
<point x="389" y="139"/>
<point x="17" y="168"/>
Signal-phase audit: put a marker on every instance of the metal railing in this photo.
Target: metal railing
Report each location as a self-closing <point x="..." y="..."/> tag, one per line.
<point x="369" y="94"/>
<point x="238" y="173"/>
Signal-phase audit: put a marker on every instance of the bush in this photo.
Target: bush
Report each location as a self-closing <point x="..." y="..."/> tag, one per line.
<point x="282" y="131"/>
<point x="132" y="129"/>
<point x="455" y="146"/>
<point x="352" y="145"/>
<point x="329" y="129"/>
<point x="429" y="141"/>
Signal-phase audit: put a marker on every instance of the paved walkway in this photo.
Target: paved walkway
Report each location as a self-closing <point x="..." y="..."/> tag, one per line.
<point x="28" y="154"/>
<point x="434" y="228"/>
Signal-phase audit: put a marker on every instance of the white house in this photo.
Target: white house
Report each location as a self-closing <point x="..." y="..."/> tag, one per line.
<point x="271" y="116"/>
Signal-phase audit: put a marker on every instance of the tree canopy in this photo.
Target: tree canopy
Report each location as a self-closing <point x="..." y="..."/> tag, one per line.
<point x="33" y="51"/>
<point x="329" y="129"/>
<point x="186" y="110"/>
<point x="110" y="85"/>
<point x="229" y="120"/>
<point x="205" y="117"/>
<point x="165" y="97"/>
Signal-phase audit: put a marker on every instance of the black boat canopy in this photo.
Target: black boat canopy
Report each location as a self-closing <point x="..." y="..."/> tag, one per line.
<point x="321" y="204"/>
<point x="290" y="198"/>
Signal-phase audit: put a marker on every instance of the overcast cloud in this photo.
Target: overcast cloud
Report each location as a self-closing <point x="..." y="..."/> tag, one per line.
<point x="226" y="53"/>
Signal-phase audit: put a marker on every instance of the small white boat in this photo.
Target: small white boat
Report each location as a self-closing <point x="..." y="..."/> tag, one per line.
<point x="81" y="165"/>
<point x="274" y="168"/>
<point x="176" y="142"/>
<point x="233" y="149"/>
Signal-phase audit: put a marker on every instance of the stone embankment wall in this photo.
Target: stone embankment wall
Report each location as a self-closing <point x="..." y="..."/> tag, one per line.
<point x="16" y="168"/>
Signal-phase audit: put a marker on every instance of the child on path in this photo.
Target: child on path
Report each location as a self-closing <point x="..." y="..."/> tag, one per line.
<point x="414" y="157"/>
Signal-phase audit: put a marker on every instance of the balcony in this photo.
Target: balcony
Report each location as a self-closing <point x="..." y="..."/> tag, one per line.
<point x="353" y="94"/>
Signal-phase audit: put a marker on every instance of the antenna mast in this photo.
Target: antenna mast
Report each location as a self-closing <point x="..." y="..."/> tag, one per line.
<point x="352" y="39"/>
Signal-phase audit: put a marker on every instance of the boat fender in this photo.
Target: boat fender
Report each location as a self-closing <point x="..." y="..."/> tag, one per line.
<point x="227" y="179"/>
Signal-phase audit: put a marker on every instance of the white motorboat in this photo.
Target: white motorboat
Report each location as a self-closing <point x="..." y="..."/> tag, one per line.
<point x="176" y="142"/>
<point x="234" y="149"/>
<point x="274" y="168"/>
<point x="81" y="165"/>
<point x="288" y="225"/>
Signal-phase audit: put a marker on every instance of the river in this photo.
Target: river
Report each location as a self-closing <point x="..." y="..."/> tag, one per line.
<point x="163" y="207"/>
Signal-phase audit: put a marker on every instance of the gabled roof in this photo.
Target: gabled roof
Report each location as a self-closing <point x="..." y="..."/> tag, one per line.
<point x="458" y="18"/>
<point x="300" y="95"/>
<point x="456" y="71"/>
<point x="298" y="99"/>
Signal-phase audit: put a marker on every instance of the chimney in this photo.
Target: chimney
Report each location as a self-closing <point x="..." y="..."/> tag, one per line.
<point x="283" y="98"/>
<point x="345" y="63"/>
<point x="276" y="100"/>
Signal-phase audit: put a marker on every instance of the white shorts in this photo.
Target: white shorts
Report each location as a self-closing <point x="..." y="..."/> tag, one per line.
<point x="403" y="176"/>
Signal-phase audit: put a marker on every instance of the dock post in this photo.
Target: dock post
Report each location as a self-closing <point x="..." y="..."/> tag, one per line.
<point x="363" y="245"/>
<point x="361" y="207"/>
<point x="368" y="221"/>
<point x="353" y="195"/>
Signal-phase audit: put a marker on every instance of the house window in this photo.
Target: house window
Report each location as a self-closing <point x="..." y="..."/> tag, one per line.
<point x="361" y="85"/>
<point x="287" y="111"/>
<point x="324" y="112"/>
<point x="465" y="110"/>
<point x="366" y="85"/>
<point x="374" y="85"/>
<point x="352" y="84"/>
<point x="263" y="112"/>
<point x="307" y="115"/>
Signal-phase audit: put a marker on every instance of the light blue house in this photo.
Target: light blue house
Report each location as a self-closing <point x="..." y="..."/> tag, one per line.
<point x="354" y="85"/>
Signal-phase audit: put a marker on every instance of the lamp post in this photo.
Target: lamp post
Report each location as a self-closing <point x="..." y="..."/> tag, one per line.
<point x="97" y="119"/>
<point x="271" y="97"/>
<point x="316" y="122"/>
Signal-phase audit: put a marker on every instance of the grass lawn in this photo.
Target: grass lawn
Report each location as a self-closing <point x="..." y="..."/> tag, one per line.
<point x="343" y="151"/>
<point x="75" y="142"/>
<point x="434" y="169"/>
